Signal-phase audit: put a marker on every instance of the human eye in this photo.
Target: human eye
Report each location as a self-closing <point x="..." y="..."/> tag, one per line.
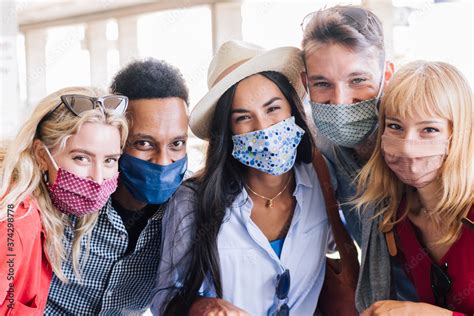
<point x="273" y="108"/>
<point x="393" y="126"/>
<point x="81" y="159"/>
<point x="242" y="118"/>
<point x="142" y="144"/>
<point x="358" y="80"/>
<point x="430" y="130"/>
<point x="321" y="84"/>
<point x="111" y="161"/>
<point x="178" y="144"/>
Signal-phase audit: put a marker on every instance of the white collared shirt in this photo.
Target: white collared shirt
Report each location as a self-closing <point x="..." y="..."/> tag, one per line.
<point x="249" y="265"/>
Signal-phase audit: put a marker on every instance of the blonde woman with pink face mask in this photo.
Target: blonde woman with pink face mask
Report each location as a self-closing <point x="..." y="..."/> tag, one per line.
<point x="421" y="178"/>
<point x="59" y="172"/>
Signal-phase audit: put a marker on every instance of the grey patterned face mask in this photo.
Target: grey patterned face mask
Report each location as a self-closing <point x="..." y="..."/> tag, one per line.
<point x="346" y="124"/>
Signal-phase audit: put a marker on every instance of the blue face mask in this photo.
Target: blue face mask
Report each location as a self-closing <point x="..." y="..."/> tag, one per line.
<point x="149" y="182"/>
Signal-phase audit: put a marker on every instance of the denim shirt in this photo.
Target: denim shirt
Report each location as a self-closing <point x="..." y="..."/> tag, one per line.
<point x="249" y="265"/>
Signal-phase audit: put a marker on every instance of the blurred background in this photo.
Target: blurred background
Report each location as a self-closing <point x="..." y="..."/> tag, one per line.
<point x="48" y="45"/>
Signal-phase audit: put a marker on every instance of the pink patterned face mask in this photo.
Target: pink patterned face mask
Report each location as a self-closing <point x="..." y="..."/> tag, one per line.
<point x="415" y="162"/>
<point x="74" y="195"/>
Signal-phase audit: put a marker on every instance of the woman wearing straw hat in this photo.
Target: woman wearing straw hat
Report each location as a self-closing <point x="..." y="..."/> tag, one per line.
<point x="255" y="214"/>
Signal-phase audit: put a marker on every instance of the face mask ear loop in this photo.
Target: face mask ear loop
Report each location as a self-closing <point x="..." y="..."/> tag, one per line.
<point x="382" y="82"/>
<point x="51" y="158"/>
<point x="448" y="146"/>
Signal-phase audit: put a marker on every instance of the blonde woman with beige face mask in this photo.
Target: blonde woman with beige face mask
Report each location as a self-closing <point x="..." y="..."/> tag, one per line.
<point x="421" y="177"/>
<point x="59" y="172"/>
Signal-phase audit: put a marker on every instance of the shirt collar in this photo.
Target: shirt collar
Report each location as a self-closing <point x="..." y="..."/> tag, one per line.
<point x="107" y="208"/>
<point x="302" y="176"/>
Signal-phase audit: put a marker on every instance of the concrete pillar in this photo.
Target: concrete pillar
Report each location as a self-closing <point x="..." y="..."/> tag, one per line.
<point x="127" y="39"/>
<point x="97" y="44"/>
<point x="385" y="10"/>
<point x="226" y="23"/>
<point x="9" y="96"/>
<point x="35" y="45"/>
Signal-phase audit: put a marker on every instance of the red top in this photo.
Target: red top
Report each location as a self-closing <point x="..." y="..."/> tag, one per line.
<point x="459" y="257"/>
<point x="25" y="273"/>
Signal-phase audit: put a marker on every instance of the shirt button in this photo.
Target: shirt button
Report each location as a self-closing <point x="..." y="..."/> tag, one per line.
<point x="109" y="293"/>
<point x="123" y="236"/>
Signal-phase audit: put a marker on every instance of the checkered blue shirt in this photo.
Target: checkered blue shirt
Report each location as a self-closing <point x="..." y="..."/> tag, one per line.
<point x="112" y="284"/>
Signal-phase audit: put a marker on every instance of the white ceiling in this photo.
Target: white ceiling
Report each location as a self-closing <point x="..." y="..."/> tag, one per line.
<point x="38" y="14"/>
<point x="32" y="12"/>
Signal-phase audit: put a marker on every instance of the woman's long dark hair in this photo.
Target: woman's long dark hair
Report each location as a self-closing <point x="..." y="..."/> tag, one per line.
<point x="219" y="183"/>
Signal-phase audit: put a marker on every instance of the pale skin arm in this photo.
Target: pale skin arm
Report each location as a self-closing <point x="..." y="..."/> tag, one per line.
<point x="397" y="308"/>
<point x="210" y="306"/>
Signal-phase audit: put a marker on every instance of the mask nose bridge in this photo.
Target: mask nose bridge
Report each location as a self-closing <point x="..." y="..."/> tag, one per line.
<point x="340" y="95"/>
<point x="261" y="122"/>
<point x="161" y="157"/>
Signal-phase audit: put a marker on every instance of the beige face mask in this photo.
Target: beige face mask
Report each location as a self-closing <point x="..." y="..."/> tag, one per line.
<point x="415" y="162"/>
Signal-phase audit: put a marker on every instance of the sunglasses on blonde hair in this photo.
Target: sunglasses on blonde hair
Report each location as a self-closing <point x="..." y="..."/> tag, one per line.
<point x="78" y="104"/>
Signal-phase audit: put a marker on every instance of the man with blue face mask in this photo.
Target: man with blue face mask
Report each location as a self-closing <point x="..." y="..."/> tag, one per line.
<point x="125" y="244"/>
<point x="346" y="72"/>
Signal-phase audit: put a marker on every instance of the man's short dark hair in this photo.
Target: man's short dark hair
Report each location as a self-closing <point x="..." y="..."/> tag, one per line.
<point x="150" y="79"/>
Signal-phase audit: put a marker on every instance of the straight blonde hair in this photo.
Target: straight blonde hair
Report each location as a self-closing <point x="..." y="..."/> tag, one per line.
<point x="22" y="176"/>
<point x="428" y="89"/>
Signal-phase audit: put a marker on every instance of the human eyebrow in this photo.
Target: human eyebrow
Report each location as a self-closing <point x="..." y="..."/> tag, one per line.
<point x="143" y="136"/>
<point x="360" y="74"/>
<point x="428" y="122"/>
<point x="317" y="77"/>
<point x="239" y="110"/>
<point x="392" y="119"/>
<point x="117" y="155"/>
<point x="271" y="101"/>
<point x="180" y="137"/>
<point x="242" y="110"/>
<point x="82" y="151"/>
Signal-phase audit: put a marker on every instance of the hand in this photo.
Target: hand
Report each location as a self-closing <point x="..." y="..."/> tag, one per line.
<point x="208" y="306"/>
<point x="397" y="308"/>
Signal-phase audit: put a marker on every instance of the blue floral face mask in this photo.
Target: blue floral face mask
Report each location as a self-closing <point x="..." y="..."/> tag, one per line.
<point x="271" y="150"/>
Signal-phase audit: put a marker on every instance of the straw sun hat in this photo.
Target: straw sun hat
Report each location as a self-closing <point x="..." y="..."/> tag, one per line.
<point x="234" y="61"/>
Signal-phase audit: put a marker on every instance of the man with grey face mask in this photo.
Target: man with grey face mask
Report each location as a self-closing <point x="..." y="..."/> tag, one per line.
<point x="346" y="72"/>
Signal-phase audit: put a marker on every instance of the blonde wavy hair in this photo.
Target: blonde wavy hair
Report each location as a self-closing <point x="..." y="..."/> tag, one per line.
<point x="22" y="175"/>
<point x="429" y="89"/>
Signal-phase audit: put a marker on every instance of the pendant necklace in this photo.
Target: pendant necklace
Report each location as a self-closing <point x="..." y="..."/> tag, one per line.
<point x="270" y="200"/>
